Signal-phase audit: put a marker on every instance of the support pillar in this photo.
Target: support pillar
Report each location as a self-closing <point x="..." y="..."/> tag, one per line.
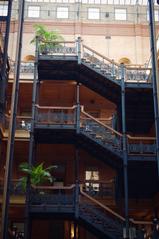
<point x="12" y="126"/>
<point x="77" y="183"/>
<point x="78" y="108"/>
<point x="155" y="80"/>
<point x="5" y="59"/>
<point x="125" y="159"/>
<point x="27" y="228"/>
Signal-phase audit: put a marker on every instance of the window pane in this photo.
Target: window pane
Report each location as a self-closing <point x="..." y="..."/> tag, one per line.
<point x="93" y="13"/>
<point x="34" y="11"/>
<point x="92" y="175"/>
<point x="62" y="12"/>
<point x="120" y="14"/>
<point x="3" y="10"/>
<point x="156" y="15"/>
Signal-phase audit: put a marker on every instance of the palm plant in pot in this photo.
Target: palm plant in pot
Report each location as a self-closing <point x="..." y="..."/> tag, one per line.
<point x="47" y="39"/>
<point x="38" y="175"/>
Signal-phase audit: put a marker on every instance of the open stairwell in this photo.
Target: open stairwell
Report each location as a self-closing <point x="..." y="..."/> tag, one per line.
<point x="97" y="217"/>
<point x="100" y="218"/>
<point x="101" y="133"/>
<point x="103" y="224"/>
<point x="111" y="69"/>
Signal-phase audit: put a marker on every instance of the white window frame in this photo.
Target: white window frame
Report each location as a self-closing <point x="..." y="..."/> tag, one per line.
<point x="61" y="13"/>
<point x="3" y="10"/>
<point x="93" y="13"/>
<point x="120" y="14"/>
<point x="34" y="12"/>
<point x="91" y="180"/>
<point x="156" y="15"/>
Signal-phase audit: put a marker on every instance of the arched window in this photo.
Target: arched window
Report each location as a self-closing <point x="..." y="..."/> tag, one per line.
<point x="29" y="58"/>
<point x="125" y="61"/>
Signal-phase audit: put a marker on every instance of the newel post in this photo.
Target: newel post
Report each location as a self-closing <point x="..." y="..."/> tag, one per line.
<point x="79" y="49"/>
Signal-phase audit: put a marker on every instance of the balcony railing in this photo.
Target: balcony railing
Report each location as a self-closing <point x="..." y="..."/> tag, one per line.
<point x="25" y="67"/>
<point x="102" y="64"/>
<point x="22" y="122"/>
<point x="56" y="115"/>
<point x="57" y="48"/>
<point x="97" y="129"/>
<point x="15" y="188"/>
<point x="141" y="145"/>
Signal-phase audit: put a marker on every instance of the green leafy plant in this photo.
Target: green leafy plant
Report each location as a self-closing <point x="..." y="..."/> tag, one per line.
<point x="38" y="174"/>
<point x="47" y="39"/>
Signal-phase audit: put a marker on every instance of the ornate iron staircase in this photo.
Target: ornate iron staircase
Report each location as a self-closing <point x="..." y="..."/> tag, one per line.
<point x="106" y="222"/>
<point x="76" y="204"/>
<point x="100" y="133"/>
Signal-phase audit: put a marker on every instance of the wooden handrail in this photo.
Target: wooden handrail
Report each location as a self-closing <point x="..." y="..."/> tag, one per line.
<point x="137" y="68"/>
<point x="101" y="205"/>
<point x="106" y="126"/>
<point x="89" y="116"/>
<point x="115" y="63"/>
<point x="140" y="138"/>
<point x="18" y="116"/>
<point x="98" y="54"/>
<point x="53" y="187"/>
<point x="65" y="42"/>
<point x="113" y="212"/>
<point x="56" y="107"/>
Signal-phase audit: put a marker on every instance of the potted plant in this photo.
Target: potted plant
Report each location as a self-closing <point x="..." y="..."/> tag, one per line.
<point x="47" y="39"/>
<point x="38" y="174"/>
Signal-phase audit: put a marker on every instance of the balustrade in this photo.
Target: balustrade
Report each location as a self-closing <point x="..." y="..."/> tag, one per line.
<point x="141" y="145"/>
<point x="100" y="132"/>
<point x="57" y="196"/>
<point x="25" y="67"/>
<point x="108" y="67"/>
<point x="22" y="122"/>
<point x="55" y="115"/>
<point x="57" y="48"/>
<point x="97" y="129"/>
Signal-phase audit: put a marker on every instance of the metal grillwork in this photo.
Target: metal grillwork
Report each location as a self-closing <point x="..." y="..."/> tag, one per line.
<point x="139" y="75"/>
<point x="55" y="115"/>
<point x="25" y="67"/>
<point x="58" y="48"/>
<point x="112" y="70"/>
<point x="22" y="122"/>
<point x="92" y="59"/>
<point x="104" y="65"/>
<point x="101" y="133"/>
<point x="141" y="145"/>
<point x="15" y="188"/>
<point x="98" y="130"/>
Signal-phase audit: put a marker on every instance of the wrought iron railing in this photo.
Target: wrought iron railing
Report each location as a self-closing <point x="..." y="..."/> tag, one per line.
<point x="112" y="69"/>
<point x="55" y="115"/>
<point x="14" y="187"/>
<point x="22" y="122"/>
<point x="107" y="219"/>
<point x="102" y="133"/>
<point x="105" y="65"/>
<point x="97" y="129"/>
<point x="138" y="74"/>
<point x="53" y="195"/>
<point x="57" y="48"/>
<point x="25" y="67"/>
<point x="141" y="145"/>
